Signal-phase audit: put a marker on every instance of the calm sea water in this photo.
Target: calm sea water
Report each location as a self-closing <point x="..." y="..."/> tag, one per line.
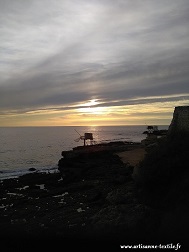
<point x="22" y="148"/>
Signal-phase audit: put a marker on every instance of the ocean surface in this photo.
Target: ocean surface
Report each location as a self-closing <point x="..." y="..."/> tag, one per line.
<point x="22" y="148"/>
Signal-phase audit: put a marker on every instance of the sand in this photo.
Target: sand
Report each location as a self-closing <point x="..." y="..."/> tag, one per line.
<point x="133" y="156"/>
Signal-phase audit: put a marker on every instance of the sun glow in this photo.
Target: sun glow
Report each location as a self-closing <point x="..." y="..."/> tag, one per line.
<point x="92" y="102"/>
<point x="93" y="110"/>
<point x="91" y="107"/>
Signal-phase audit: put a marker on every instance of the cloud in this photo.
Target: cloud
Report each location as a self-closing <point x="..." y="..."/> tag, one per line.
<point x="56" y="54"/>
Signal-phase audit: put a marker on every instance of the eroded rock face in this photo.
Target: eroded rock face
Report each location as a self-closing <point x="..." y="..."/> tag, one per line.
<point x="94" y="165"/>
<point x="180" y="121"/>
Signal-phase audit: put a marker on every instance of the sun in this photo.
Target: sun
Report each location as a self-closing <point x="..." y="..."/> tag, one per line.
<point x="91" y="107"/>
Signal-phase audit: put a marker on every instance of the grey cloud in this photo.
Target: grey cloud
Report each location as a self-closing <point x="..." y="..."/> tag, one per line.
<point x="117" y="50"/>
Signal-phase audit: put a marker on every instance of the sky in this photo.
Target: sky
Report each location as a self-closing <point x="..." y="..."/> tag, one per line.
<point x="93" y="62"/>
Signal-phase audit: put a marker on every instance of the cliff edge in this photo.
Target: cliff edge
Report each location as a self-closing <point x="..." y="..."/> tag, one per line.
<point x="180" y="121"/>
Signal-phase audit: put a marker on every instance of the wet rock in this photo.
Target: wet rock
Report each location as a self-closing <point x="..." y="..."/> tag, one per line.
<point x="100" y="199"/>
<point x="120" y="196"/>
<point x="94" y="195"/>
<point x="32" y="169"/>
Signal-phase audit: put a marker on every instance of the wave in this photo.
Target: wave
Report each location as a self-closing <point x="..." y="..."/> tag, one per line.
<point x="9" y="174"/>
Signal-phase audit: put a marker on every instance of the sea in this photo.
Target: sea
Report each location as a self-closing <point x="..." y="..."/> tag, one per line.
<point x="22" y="148"/>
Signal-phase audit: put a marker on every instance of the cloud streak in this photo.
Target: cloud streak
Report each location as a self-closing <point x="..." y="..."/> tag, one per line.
<point x="58" y="54"/>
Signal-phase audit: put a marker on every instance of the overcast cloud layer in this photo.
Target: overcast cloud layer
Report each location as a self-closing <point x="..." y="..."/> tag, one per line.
<point x="58" y="53"/>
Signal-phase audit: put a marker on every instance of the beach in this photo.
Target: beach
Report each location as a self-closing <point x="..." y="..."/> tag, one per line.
<point x="133" y="156"/>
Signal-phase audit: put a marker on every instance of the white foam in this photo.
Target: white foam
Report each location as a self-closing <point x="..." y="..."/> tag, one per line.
<point x="60" y="195"/>
<point x="62" y="201"/>
<point x="22" y="188"/>
<point x="10" y="174"/>
<point x="15" y="194"/>
<point x="79" y="210"/>
<point x="42" y="186"/>
<point x="2" y="206"/>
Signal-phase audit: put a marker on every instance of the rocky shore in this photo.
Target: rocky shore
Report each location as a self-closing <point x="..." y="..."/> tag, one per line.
<point x="100" y="206"/>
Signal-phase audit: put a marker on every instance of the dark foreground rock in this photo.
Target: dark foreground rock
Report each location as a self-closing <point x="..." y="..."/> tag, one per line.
<point x="97" y="208"/>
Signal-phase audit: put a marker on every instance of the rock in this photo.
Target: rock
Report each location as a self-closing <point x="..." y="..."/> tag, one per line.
<point x="122" y="195"/>
<point x="32" y="169"/>
<point x="120" y="179"/>
<point x="90" y="165"/>
<point x="118" y="197"/>
<point x="180" y="121"/>
<point x="94" y="195"/>
<point x="175" y="223"/>
<point x="149" y="140"/>
<point x="100" y="188"/>
<point x="127" y="220"/>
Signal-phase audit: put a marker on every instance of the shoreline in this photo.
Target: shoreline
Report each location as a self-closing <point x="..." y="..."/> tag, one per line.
<point x="16" y="173"/>
<point x="100" y="206"/>
<point x="95" y="207"/>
